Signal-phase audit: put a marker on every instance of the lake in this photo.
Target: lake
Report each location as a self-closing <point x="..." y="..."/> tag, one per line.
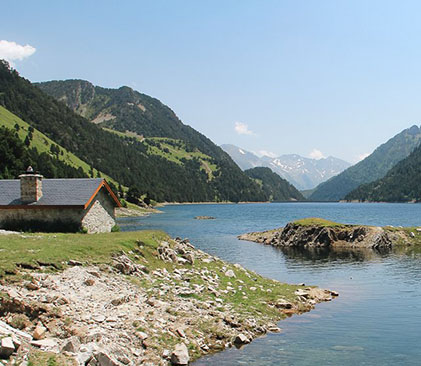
<point x="375" y="321"/>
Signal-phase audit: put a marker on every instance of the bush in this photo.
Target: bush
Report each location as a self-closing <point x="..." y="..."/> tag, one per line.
<point x="56" y="226"/>
<point x="115" y="229"/>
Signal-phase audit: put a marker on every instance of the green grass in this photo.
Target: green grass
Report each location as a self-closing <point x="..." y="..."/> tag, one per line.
<point x="43" y="144"/>
<point x="316" y="221"/>
<point x="136" y="210"/>
<point x="39" y="358"/>
<point x="179" y="152"/>
<point x="57" y="249"/>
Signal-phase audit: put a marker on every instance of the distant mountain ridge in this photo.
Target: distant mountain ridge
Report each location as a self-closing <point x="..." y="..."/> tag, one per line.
<point x="303" y="173"/>
<point x="373" y="167"/>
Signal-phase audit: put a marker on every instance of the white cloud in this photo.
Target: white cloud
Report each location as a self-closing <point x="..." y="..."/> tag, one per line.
<point x="316" y="154"/>
<point x="266" y="153"/>
<point x="362" y="156"/>
<point x="243" y="129"/>
<point x="11" y="51"/>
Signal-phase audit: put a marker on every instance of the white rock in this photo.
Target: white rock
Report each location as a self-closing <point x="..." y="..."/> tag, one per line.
<point x="230" y="273"/>
<point x="180" y="355"/>
<point x="141" y="335"/>
<point x="46" y="344"/>
<point x="99" y="318"/>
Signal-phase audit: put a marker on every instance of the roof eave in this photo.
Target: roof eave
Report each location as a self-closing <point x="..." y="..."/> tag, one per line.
<point x="108" y="188"/>
<point x="5" y="207"/>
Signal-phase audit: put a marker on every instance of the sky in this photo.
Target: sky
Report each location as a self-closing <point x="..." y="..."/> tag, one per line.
<point x="316" y="78"/>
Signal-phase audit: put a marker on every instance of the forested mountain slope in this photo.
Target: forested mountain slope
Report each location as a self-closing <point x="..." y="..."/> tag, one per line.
<point x="57" y="157"/>
<point x="127" y="110"/>
<point x="275" y="187"/>
<point x="371" y="168"/>
<point x="401" y="184"/>
<point x="126" y="159"/>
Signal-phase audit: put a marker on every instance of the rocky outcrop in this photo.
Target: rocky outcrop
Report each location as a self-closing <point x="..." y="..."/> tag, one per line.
<point x="305" y="236"/>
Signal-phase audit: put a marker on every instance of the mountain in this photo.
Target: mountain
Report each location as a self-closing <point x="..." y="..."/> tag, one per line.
<point x="244" y="159"/>
<point x="275" y="187"/>
<point x="125" y="156"/>
<point x="303" y="173"/>
<point x="400" y="184"/>
<point x="373" y="167"/>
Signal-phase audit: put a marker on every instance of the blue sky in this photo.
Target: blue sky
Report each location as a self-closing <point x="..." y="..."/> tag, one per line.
<point x="340" y="77"/>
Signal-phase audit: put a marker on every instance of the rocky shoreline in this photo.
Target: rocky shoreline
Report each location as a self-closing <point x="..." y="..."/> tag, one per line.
<point x="161" y="305"/>
<point x="319" y="233"/>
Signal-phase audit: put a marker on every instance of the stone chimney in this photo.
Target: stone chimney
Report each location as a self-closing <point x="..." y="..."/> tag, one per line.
<point x="30" y="186"/>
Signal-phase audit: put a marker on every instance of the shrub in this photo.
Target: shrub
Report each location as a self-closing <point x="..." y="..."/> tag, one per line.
<point x="115" y="229"/>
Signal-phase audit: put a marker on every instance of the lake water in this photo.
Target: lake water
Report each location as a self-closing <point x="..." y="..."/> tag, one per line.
<point x="375" y="321"/>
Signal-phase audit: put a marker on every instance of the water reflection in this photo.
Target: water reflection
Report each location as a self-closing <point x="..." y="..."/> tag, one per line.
<point x="328" y="255"/>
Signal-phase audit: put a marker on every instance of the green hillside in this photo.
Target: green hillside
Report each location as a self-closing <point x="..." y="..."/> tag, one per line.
<point x="127" y="159"/>
<point x="274" y="187"/>
<point x="16" y="156"/>
<point x="400" y="184"/>
<point x="371" y="168"/>
<point x="172" y="150"/>
<point x="43" y="144"/>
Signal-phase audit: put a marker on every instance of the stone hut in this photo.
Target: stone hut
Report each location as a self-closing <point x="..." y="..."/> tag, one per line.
<point x="37" y="204"/>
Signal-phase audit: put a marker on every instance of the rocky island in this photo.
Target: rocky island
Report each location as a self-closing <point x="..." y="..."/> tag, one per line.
<point x="316" y="232"/>
<point x="133" y="298"/>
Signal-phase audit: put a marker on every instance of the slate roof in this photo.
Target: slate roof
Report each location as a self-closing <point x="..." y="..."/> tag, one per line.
<point x="55" y="192"/>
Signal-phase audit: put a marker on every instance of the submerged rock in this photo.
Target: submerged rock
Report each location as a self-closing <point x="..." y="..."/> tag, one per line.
<point x="205" y="218"/>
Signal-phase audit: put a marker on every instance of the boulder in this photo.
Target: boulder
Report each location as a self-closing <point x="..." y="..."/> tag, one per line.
<point x="71" y="345"/>
<point x="39" y="332"/>
<point x="180" y="355"/>
<point x="283" y="304"/>
<point x="103" y="359"/>
<point x="241" y="339"/>
<point x="7" y="347"/>
<point x="189" y="257"/>
<point x="45" y="344"/>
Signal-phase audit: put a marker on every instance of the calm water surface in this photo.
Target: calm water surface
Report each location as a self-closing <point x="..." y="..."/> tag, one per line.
<point x="375" y="321"/>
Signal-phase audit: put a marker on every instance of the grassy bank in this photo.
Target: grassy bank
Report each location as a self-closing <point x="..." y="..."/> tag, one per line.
<point x="133" y="210"/>
<point x="230" y="298"/>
